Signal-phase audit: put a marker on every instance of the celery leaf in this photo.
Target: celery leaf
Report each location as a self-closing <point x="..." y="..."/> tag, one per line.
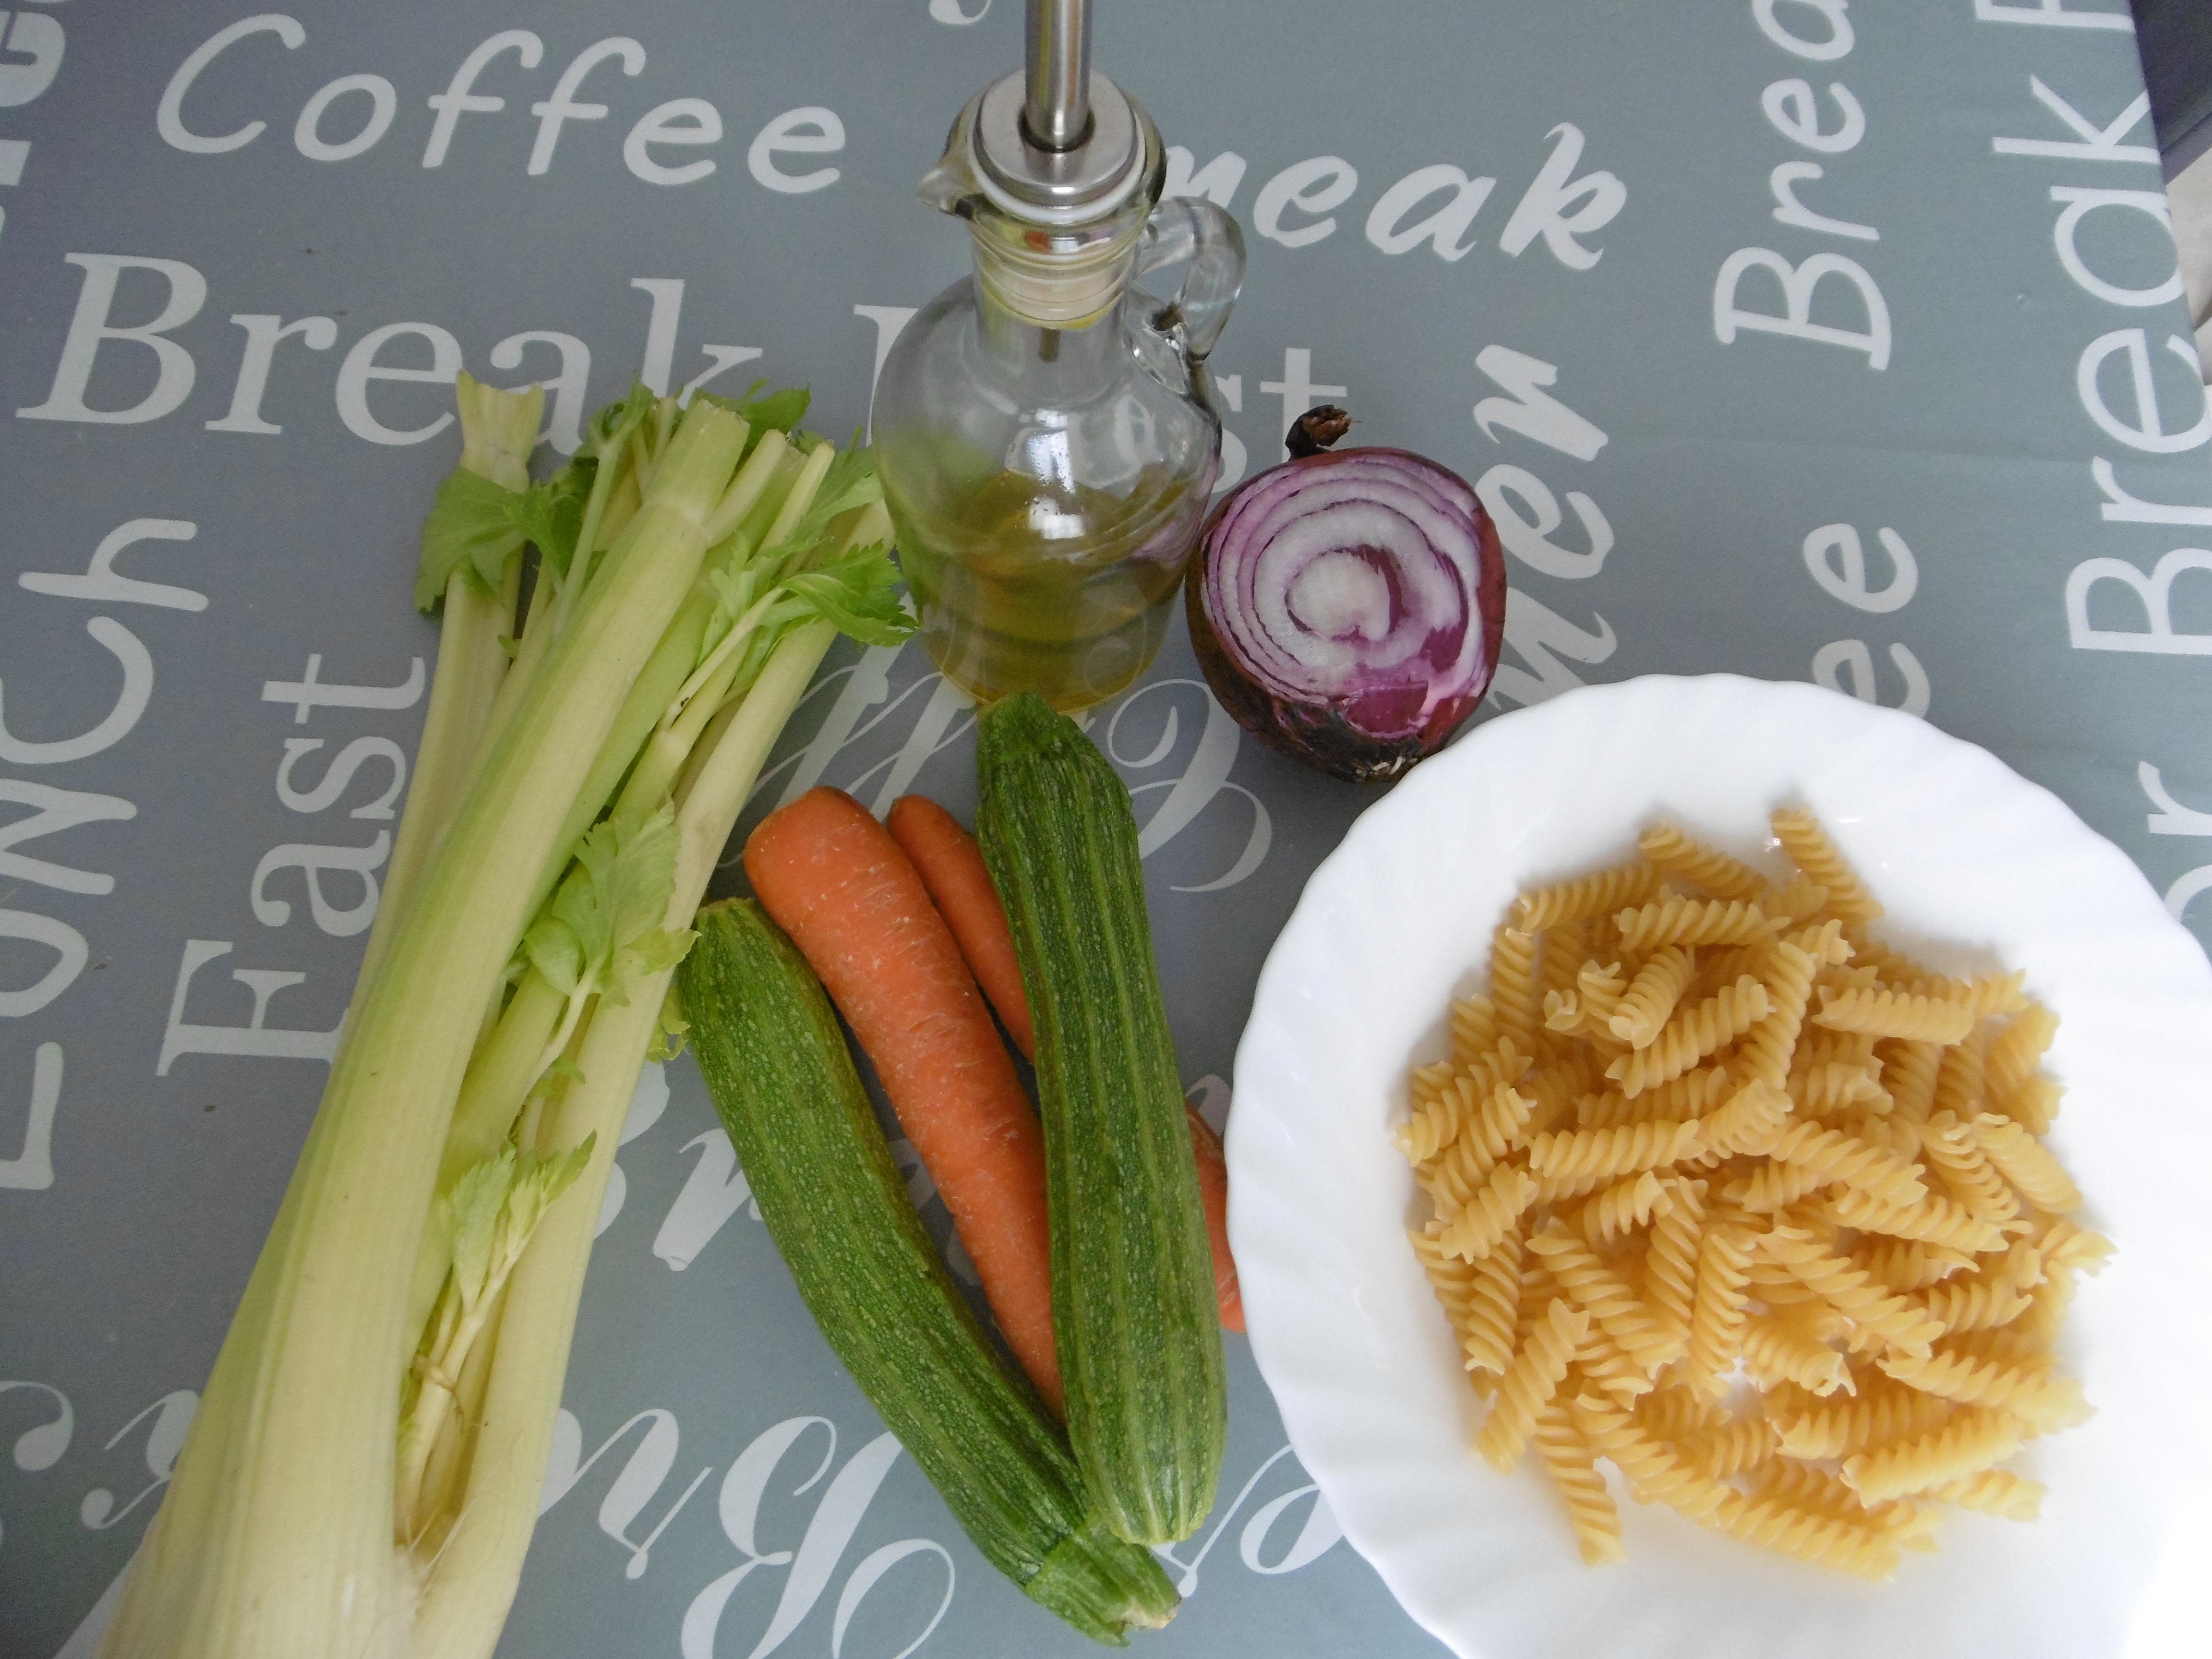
<point x="655" y="952"/>
<point x="550" y="515"/>
<point x="614" y="422"/>
<point x="859" y="591"/>
<point x="671" y="1030"/>
<point x="734" y="593"/>
<point x="780" y="411"/>
<point x="473" y="1209"/>
<point x="470" y="530"/>
<point x="642" y="876"/>
<point x="538" y="1182"/>
<point x="849" y="483"/>
<point x="556" y="953"/>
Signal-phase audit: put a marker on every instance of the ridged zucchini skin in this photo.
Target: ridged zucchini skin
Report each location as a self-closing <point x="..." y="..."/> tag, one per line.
<point x="783" y="1081"/>
<point x="1135" y="1316"/>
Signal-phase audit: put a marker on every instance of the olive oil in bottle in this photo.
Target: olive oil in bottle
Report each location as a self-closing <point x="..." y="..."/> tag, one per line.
<point x="1042" y="428"/>
<point x="1026" y="585"/>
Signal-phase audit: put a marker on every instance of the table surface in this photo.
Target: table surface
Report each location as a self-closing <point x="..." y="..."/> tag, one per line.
<point x="1786" y="340"/>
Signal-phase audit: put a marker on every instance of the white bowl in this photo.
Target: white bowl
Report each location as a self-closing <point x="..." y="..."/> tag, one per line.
<point x="1977" y="868"/>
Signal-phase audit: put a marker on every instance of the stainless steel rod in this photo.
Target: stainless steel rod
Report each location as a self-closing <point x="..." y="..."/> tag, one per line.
<point x="1056" y="112"/>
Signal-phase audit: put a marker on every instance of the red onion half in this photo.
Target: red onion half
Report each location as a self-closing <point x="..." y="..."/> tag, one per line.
<point x="1348" y="608"/>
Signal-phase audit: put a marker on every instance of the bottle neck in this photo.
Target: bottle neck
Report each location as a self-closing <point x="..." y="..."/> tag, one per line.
<point x="1075" y="363"/>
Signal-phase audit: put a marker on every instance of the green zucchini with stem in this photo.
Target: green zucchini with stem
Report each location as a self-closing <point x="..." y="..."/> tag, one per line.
<point x="1132" y="1298"/>
<point x="782" y="1080"/>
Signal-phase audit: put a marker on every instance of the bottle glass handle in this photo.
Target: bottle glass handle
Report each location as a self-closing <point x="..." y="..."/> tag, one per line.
<point x="1192" y="228"/>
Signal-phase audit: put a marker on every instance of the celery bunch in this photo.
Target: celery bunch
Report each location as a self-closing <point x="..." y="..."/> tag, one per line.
<point x="363" y="1473"/>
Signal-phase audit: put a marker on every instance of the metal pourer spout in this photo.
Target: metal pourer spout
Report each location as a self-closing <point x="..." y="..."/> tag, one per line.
<point x="1056" y="109"/>
<point x="1055" y="145"/>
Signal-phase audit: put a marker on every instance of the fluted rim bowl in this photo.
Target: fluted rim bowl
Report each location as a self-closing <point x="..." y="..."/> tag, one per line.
<point x="1978" y="869"/>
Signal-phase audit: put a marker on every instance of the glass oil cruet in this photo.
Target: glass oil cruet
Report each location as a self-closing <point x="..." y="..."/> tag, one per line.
<point x="1044" y="430"/>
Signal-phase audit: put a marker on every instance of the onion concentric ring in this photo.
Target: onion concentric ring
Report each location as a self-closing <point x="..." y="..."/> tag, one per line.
<point x="1348" y="608"/>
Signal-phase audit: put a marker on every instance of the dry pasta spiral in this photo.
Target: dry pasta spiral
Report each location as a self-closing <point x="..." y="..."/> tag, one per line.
<point x="1859" y="1164"/>
<point x="1953" y="1151"/>
<point x="2027" y="1392"/>
<point x="1903" y="1265"/>
<point x="1657" y="1475"/>
<point x="2066" y="1244"/>
<point x="1795" y="899"/>
<point x="1717" y="1308"/>
<point x="1595" y="1287"/>
<point x="1602" y="1362"/>
<point x="1693" y="1094"/>
<point x="1750" y="1121"/>
<point x="1894" y="1014"/>
<point x="1606" y="1153"/>
<point x="1513" y="986"/>
<point x="1691" y="922"/>
<point x="2015" y="1052"/>
<point x="1490" y="1214"/>
<point x="1704" y="867"/>
<point x="2032" y="1105"/>
<point x="1975" y="1305"/>
<point x="1690" y="1036"/>
<point x="1850" y="1290"/>
<point x="1810" y="1488"/>
<point x="1459" y="1171"/>
<point x="1445" y="1098"/>
<point x="1965" y="1444"/>
<point x="1773" y="1187"/>
<point x="1822" y="1090"/>
<point x="1585" y="898"/>
<point x="1908" y="1072"/>
<point x="1600" y="988"/>
<point x="1612" y="1215"/>
<point x="1735" y="1447"/>
<point x="1529" y="1383"/>
<point x="1769" y="1045"/>
<point x="1932" y="1220"/>
<point x="1474" y="1028"/>
<point x="1491" y="1305"/>
<point x="1811" y="851"/>
<point x="1590" y="1508"/>
<point x="2027" y="1163"/>
<point x="1881" y="1411"/>
<point x="1670" y="1268"/>
<point x="1959" y="1086"/>
<point x="1561" y="955"/>
<point x="1651" y="997"/>
<point x="1779" y="1351"/>
<point x="1676" y="1414"/>
<point x="1994" y="1491"/>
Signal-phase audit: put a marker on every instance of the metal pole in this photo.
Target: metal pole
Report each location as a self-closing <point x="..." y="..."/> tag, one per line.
<point x="1056" y="112"/>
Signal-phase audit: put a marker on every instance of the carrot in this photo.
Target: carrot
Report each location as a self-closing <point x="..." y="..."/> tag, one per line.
<point x="952" y="868"/>
<point x="835" y="880"/>
<point x="1214" y="1192"/>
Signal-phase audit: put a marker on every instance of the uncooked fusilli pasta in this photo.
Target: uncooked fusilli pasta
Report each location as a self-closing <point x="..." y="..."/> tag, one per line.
<point x="1701" y="1126"/>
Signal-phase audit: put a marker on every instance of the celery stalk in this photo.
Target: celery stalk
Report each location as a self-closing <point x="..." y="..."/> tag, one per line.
<point x="498" y="431"/>
<point x="470" y="1584"/>
<point x="363" y="1474"/>
<point x="292" y="1477"/>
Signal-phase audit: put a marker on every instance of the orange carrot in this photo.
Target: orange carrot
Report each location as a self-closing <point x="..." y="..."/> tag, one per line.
<point x="1213" y="1191"/>
<point x="952" y="868"/>
<point x="835" y="880"/>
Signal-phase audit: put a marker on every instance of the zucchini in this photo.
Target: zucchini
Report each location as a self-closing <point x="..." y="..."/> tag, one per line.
<point x="1135" y="1316"/>
<point x="782" y="1082"/>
